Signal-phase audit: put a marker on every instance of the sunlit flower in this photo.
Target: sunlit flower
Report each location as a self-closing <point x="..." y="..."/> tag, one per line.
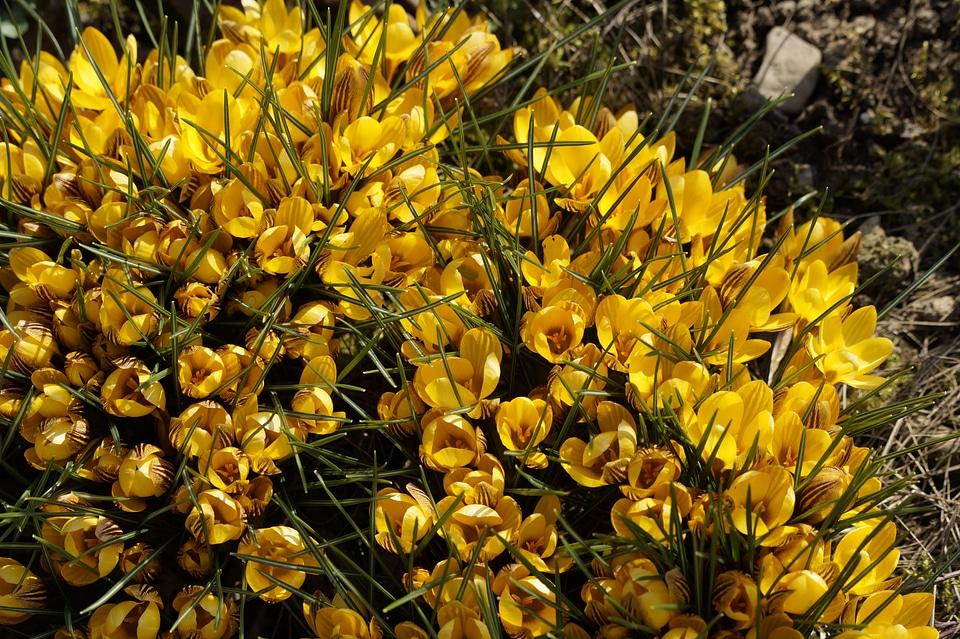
<point x="458" y="621"/>
<point x="577" y="382"/>
<point x="89" y="552"/>
<point x="129" y="312"/>
<point x="605" y="459"/>
<point x="888" y="615"/>
<point x="759" y="286"/>
<point x="522" y="424"/>
<point x="527" y="603"/>
<point x="553" y="331"/>
<point x="433" y="328"/>
<point x="402" y="519"/>
<point x="527" y="209"/>
<point x="472" y="278"/>
<point x="216" y="518"/>
<point x="339" y="622"/>
<point x="141" y="562"/>
<point x="57" y="439"/>
<point x="131" y="390"/>
<point x="316" y="401"/>
<point x="354" y="263"/>
<point x="647" y="470"/>
<point x="722" y="335"/>
<point x="201" y="428"/>
<point x="737" y="597"/>
<point x="820" y="239"/>
<point x="143" y="473"/>
<point x="200" y="371"/>
<point x="728" y="425"/>
<point x="99" y="77"/>
<point x="537" y="536"/>
<point x="399" y="410"/>
<point x="264" y="437"/>
<point x="848" y="350"/>
<point x="271" y="25"/>
<point x="462" y="381"/>
<point x="636" y="589"/>
<point x="803" y="589"/>
<point x="205" y="123"/>
<point x="19" y="588"/>
<point x="478" y="517"/>
<point x="36" y="348"/>
<point x="283" y="247"/>
<point x="464" y="58"/>
<point x="867" y="556"/>
<point x="448" y="581"/>
<point x="226" y="469"/>
<point x="450" y="441"/>
<point x="795" y="446"/>
<point x="655" y="516"/>
<point x="205" y="614"/>
<point x="279" y="544"/>
<point x="101" y="459"/>
<point x="760" y="501"/>
<point x="367" y="144"/>
<point x="245" y="372"/>
<point x="48" y="280"/>
<point x="620" y="324"/>
<point x="139" y="618"/>
<point x="310" y="332"/>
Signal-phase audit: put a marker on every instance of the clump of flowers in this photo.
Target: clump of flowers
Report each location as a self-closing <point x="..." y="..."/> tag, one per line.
<point x="267" y="339"/>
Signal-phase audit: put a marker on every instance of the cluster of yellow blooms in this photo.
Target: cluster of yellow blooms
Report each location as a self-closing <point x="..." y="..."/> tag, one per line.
<point x="193" y="249"/>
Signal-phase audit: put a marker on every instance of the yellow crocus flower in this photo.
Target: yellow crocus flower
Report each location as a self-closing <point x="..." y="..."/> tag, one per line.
<point x="896" y="617"/>
<point x="606" y="457"/>
<point x="19" y="588"/>
<point x="729" y="424"/>
<point x="140" y="618"/>
<point x="449" y="441"/>
<point x="760" y="501"/>
<point x="205" y="123"/>
<point x="553" y="331"/>
<point x="142" y="473"/>
<point x="522" y="424"/>
<point x="95" y="58"/>
<point x="279" y="544"/>
<point x="402" y="519"/>
<point x="478" y="517"/>
<point x="452" y="382"/>
<point x="88" y="554"/>
<point x="867" y="556"/>
<point x="367" y="144"/>
<point x="284" y="247"/>
<point x="721" y="334"/>
<point x="527" y="603"/>
<point x="847" y="350"/>
<point x="206" y="614"/>
<point x="819" y="290"/>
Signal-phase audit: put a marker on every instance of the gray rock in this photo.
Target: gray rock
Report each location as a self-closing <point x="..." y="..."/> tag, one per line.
<point x="789" y="66"/>
<point x="938" y="309"/>
<point x="879" y="250"/>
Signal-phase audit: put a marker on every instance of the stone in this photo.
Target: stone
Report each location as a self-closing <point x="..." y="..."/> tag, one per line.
<point x="790" y="65"/>
<point x="879" y="250"/>
<point x="937" y="309"/>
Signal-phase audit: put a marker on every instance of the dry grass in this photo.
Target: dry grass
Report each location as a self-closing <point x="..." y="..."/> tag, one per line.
<point x="932" y="532"/>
